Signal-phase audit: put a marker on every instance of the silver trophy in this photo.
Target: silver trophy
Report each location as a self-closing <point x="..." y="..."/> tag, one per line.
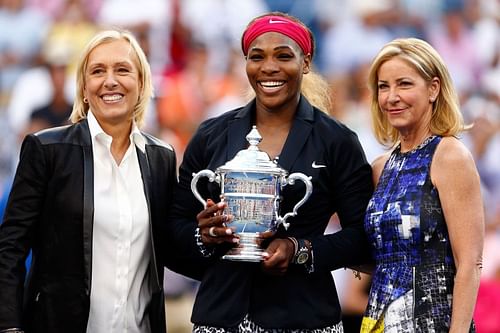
<point x="251" y="186"/>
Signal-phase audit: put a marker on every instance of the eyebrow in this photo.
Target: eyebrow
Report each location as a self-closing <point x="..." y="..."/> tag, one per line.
<point x="120" y="63"/>
<point x="287" y="47"/>
<point x="397" y="80"/>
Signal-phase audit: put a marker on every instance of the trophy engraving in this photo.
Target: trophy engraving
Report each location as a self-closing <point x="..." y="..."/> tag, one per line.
<point x="251" y="186"/>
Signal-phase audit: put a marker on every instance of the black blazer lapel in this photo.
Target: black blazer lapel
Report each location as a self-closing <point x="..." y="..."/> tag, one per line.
<point x="88" y="202"/>
<point x="297" y="137"/>
<point x="241" y="124"/>
<point x="146" y="171"/>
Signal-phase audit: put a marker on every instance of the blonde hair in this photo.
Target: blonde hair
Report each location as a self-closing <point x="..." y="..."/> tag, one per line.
<point x="80" y="108"/>
<point x="314" y="87"/>
<point x="446" y="119"/>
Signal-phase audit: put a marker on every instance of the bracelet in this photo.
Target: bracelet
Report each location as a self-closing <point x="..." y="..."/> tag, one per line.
<point x="310" y="264"/>
<point x="12" y="330"/>
<point x="205" y="252"/>
<point x="295" y="245"/>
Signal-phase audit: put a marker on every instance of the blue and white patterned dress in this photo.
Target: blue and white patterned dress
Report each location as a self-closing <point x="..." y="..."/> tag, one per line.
<point x="412" y="284"/>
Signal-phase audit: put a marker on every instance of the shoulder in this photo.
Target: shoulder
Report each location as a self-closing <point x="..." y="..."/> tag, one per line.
<point x="153" y="141"/>
<point x="451" y="151"/>
<point x="332" y="129"/>
<point x="452" y="160"/>
<point x="378" y="166"/>
<point x="220" y="122"/>
<point x="76" y="134"/>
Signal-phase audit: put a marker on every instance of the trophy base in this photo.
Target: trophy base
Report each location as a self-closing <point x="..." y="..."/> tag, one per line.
<point x="247" y="250"/>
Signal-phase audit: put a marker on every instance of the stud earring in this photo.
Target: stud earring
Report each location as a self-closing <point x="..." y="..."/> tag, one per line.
<point x="85" y="100"/>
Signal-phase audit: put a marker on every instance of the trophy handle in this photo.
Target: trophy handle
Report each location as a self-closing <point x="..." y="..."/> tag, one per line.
<point x="196" y="176"/>
<point x="290" y="181"/>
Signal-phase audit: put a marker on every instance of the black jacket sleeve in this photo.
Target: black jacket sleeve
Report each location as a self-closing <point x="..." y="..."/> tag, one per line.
<point x="352" y="182"/>
<point x="18" y="229"/>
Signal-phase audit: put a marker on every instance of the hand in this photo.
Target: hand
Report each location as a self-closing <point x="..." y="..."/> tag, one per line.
<point x="263" y="236"/>
<point x="278" y="256"/>
<point x="212" y="224"/>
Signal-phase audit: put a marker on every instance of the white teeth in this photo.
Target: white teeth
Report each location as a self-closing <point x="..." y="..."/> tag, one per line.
<point x="111" y="98"/>
<point x="272" y="84"/>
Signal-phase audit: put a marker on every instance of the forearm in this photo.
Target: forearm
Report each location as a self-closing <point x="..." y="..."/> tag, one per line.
<point x="464" y="297"/>
<point x="345" y="248"/>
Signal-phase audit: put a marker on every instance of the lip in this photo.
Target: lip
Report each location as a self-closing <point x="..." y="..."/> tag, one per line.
<point x="112" y="98"/>
<point x="395" y="111"/>
<point x="271" y="86"/>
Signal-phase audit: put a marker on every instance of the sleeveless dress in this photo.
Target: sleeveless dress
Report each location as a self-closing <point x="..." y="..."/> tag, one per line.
<point x="412" y="284"/>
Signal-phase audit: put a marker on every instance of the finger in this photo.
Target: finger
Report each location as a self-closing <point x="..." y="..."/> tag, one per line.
<point x="219" y="231"/>
<point x="211" y="232"/>
<point x="215" y="209"/>
<point x="207" y="239"/>
<point x="276" y="261"/>
<point x="217" y="235"/>
<point x="266" y="234"/>
<point x="216" y="221"/>
<point x="211" y="211"/>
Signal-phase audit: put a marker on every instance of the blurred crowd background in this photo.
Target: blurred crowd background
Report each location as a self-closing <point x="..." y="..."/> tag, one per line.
<point x="198" y="68"/>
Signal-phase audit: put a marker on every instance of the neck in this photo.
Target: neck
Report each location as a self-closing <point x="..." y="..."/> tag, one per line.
<point x="413" y="140"/>
<point x="121" y="139"/>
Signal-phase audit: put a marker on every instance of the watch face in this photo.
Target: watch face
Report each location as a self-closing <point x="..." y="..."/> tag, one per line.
<point x="302" y="258"/>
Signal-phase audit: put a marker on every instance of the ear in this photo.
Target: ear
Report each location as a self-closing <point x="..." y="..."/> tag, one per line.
<point x="307" y="64"/>
<point x="434" y="89"/>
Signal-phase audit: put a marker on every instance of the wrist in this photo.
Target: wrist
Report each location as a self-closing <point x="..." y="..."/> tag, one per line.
<point x="303" y="252"/>
<point x="202" y="248"/>
<point x="295" y="244"/>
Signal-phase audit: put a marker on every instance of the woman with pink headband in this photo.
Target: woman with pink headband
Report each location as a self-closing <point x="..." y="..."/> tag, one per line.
<point x="292" y="289"/>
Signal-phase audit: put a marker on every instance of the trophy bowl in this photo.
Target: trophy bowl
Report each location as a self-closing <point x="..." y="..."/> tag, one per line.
<point x="251" y="185"/>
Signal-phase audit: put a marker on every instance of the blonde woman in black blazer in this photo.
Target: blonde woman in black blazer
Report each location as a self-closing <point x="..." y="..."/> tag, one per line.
<point x="53" y="202"/>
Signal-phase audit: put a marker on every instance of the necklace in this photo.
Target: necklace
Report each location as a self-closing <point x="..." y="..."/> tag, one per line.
<point x="421" y="145"/>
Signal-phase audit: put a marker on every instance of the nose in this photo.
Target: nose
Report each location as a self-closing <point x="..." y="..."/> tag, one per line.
<point x="393" y="96"/>
<point x="269" y="66"/>
<point x="110" y="81"/>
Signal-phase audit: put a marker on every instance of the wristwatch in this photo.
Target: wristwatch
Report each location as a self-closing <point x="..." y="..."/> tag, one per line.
<point x="303" y="252"/>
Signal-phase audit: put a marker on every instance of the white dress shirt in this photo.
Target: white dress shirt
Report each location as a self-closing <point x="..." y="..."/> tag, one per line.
<point x="121" y="245"/>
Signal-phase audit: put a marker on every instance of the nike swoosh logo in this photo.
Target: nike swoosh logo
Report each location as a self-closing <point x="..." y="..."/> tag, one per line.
<point x="317" y="166"/>
<point x="271" y="21"/>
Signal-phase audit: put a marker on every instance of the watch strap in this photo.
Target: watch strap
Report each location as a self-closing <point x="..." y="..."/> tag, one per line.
<point x="303" y="251"/>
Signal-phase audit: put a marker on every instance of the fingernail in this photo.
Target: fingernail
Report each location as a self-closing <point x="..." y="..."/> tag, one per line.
<point x="229" y="231"/>
<point x="236" y="240"/>
<point x="220" y="204"/>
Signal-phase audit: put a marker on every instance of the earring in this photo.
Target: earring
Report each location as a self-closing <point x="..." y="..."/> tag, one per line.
<point x="432" y="99"/>
<point x="85" y="100"/>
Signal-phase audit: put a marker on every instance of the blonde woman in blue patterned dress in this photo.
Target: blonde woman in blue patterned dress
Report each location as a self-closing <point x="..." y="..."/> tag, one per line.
<point x="425" y="220"/>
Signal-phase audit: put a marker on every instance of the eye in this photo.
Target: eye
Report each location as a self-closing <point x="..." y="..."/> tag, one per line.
<point x="255" y="57"/>
<point x="123" y="70"/>
<point x="96" y="71"/>
<point x="405" y="83"/>
<point x="285" y="56"/>
<point x="382" y="86"/>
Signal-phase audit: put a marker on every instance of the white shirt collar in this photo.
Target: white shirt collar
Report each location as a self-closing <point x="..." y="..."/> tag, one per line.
<point x="96" y="131"/>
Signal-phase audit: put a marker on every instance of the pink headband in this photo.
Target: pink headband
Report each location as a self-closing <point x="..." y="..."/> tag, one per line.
<point x="277" y="24"/>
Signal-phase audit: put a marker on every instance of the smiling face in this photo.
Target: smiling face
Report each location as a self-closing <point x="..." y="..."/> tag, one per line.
<point x="275" y="66"/>
<point x="404" y="96"/>
<point x="112" y="84"/>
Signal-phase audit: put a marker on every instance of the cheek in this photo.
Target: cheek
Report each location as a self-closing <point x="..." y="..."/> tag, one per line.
<point x="90" y="86"/>
<point x="381" y="98"/>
